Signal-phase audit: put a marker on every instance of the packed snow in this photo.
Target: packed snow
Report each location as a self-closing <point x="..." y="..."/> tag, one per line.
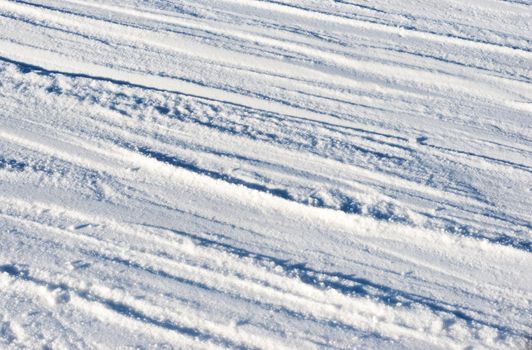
<point x="265" y="174"/>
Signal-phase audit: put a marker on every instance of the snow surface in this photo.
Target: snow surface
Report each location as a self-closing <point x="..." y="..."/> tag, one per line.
<point x="271" y="174"/>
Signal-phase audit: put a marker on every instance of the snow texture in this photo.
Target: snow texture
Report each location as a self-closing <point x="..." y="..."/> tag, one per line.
<point x="265" y="174"/>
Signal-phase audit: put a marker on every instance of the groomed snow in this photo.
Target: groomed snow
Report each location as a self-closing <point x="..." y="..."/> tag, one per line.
<point x="265" y="174"/>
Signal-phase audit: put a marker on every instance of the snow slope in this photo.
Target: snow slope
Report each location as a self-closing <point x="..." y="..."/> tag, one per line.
<point x="265" y="174"/>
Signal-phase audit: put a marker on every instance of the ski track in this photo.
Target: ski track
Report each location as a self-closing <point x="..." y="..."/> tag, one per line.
<point x="265" y="174"/>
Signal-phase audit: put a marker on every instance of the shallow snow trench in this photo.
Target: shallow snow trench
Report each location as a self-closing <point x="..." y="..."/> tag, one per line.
<point x="264" y="174"/>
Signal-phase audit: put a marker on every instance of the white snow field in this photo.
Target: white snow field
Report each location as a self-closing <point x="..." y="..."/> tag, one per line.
<point x="265" y="174"/>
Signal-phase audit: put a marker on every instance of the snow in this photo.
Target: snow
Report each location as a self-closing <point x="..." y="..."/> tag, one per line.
<point x="265" y="174"/>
